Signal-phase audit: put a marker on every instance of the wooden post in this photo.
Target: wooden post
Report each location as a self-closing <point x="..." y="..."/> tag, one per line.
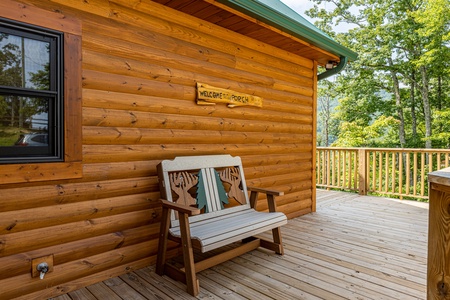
<point x="438" y="280"/>
<point x="362" y="171"/>
<point x="314" y="141"/>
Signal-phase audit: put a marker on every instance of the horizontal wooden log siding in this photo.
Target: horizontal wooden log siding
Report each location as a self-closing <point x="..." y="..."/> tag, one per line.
<point x="140" y="67"/>
<point x="395" y="172"/>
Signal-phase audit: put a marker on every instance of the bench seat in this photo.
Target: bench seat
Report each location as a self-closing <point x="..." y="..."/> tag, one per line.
<point x="228" y="228"/>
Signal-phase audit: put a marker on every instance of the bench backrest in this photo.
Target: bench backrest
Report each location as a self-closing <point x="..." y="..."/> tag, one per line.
<point x="213" y="183"/>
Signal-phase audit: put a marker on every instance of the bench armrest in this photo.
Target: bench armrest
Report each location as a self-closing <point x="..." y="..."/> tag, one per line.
<point x="270" y="195"/>
<point x="181" y="208"/>
<point x="265" y="191"/>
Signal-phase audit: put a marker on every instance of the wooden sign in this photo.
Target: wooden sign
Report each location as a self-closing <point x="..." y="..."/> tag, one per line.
<point x="209" y="95"/>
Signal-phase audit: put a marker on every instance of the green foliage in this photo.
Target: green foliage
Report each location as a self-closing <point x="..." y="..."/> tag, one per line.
<point x="3" y="105"/>
<point x="41" y="78"/>
<point x="402" y="73"/>
<point x="434" y="19"/>
<point x="8" y="135"/>
<point x="381" y="133"/>
<point x="441" y="120"/>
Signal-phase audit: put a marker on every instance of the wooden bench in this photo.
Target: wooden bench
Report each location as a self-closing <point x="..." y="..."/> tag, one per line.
<point x="206" y="206"/>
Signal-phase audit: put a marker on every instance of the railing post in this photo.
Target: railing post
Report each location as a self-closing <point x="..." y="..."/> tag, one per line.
<point x="362" y="171"/>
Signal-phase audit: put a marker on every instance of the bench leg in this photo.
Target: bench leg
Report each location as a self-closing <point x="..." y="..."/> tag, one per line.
<point x="276" y="233"/>
<point x="192" y="284"/>
<point x="162" y="244"/>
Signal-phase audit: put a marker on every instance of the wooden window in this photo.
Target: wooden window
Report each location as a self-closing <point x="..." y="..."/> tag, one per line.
<point x="41" y="101"/>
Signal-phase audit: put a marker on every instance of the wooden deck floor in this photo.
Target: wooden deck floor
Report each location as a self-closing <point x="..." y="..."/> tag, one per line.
<point x="353" y="247"/>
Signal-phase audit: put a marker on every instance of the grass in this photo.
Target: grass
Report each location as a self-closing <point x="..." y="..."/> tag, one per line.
<point x="9" y="135"/>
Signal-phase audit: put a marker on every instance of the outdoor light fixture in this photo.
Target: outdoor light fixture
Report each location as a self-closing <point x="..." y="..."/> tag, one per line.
<point x="330" y="65"/>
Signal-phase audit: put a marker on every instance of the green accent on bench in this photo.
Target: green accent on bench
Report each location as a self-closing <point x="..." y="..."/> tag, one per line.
<point x="201" y="194"/>
<point x="221" y="190"/>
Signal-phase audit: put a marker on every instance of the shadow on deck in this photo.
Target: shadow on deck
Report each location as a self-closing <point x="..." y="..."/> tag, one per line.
<point x="353" y="247"/>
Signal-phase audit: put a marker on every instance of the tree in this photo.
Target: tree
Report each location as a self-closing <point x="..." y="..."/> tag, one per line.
<point x="434" y="21"/>
<point x="327" y="126"/>
<point x="402" y="54"/>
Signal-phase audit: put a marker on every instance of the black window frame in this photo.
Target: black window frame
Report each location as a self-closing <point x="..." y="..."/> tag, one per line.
<point x="55" y="94"/>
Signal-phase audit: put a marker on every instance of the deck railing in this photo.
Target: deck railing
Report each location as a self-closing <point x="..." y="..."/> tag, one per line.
<point x="386" y="171"/>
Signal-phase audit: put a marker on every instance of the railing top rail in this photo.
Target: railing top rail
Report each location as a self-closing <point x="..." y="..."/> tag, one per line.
<point x="338" y="148"/>
<point x="387" y="149"/>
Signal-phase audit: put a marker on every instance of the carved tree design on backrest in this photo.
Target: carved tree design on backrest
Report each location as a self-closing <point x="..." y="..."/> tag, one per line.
<point x="201" y="192"/>
<point x="233" y="177"/>
<point x="181" y="183"/>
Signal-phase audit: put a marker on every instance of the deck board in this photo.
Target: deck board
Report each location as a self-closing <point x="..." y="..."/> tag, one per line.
<point x="353" y="247"/>
<point x="101" y="290"/>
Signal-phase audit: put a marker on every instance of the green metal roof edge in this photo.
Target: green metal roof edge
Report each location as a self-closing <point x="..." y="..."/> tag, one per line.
<point x="279" y="15"/>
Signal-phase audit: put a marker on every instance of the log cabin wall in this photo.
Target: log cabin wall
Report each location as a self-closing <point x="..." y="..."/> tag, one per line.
<point x="140" y="65"/>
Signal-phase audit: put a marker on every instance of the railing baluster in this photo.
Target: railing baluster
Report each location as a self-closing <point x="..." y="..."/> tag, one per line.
<point x="374" y="171"/>
<point x="324" y="177"/>
<point x="350" y="169"/>
<point x="430" y="162"/>
<point x="393" y="173"/>
<point x="407" y="171"/>
<point x="344" y="171"/>
<point x="333" y="169"/>
<point x="339" y="168"/>
<point x="357" y="182"/>
<point x="318" y="160"/>
<point x="400" y="174"/>
<point x="328" y="169"/>
<point x="380" y="170"/>
<point x="422" y="174"/>
<point x="415" y="175"/>
<point x="446" y="160"/>
<point x="386" y="173"/>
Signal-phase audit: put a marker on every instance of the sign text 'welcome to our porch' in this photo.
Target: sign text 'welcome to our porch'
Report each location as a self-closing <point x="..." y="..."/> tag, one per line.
<point x="209" y="95"/>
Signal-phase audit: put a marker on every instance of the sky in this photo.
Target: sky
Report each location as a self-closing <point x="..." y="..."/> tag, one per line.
<point x="300" y="6"/>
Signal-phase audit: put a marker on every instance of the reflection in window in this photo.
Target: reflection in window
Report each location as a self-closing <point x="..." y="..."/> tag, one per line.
<point x="24" y="62"/>
<point x="30" y="94"/>
<point x="21" y="117"/>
